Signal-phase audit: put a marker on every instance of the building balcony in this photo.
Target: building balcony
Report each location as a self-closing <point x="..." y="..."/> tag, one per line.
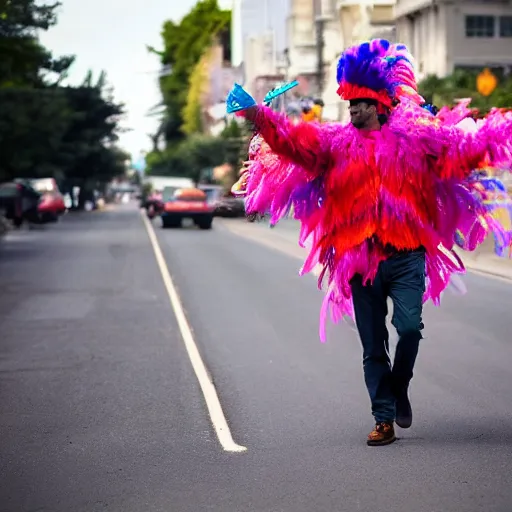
<point x="379" y="13"/>
<point x="349" y="3"/>
<point x="408" y="7"/>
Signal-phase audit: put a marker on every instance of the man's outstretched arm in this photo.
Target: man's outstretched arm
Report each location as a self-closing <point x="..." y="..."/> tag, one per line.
<point x="305" y="144"/>
<point x="457" y="152"/>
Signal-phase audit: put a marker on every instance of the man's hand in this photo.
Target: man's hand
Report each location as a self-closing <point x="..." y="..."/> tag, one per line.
<point x="249" y="114"/>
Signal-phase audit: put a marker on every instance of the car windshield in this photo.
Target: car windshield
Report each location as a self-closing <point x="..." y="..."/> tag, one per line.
<point x="8" y="191"/>
<point x="168" y="194"/>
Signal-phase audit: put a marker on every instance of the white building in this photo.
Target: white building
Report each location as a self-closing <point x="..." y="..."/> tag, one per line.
<point x="254" y="18"/>
<point x="261" y="65"/>
<point x="446" y="34"/>
<point x="349" y="22"/>
<point x="260" y="34"/>
<point x="301" y="39"/>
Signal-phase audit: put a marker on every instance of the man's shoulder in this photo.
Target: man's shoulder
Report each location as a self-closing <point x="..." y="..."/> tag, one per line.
<point x="413" y="126"/>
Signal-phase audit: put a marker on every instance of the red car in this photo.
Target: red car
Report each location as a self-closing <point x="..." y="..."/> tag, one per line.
<point x="186" y="203"/>
<point x="51" y="205"/>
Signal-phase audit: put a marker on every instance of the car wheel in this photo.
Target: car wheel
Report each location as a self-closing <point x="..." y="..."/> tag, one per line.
<point x="205" y="224"/>
<point x="171" y="223"/>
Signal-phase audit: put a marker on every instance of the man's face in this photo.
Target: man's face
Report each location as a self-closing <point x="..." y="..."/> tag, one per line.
<point x="362" y="114"/>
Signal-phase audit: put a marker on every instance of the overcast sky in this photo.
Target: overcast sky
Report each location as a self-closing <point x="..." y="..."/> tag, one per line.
<point x="112" y="35"/>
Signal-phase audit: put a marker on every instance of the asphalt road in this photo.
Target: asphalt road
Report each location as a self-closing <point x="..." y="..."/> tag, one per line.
<point x="100" y="408"/>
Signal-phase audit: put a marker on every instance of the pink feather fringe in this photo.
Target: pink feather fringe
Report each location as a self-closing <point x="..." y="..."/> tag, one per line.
<point x="419" y="158"/>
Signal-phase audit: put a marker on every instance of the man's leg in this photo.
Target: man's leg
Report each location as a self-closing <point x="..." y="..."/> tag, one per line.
<point x="407" y="286"/>
<point x="370" y="308"/>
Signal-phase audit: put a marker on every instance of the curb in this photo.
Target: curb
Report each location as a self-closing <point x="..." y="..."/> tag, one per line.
<point x="496" y="267"/>
<point x="487" y="272"/>
<point x="493" y="269"/>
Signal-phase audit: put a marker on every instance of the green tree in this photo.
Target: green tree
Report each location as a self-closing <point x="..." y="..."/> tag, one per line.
<point x="33" y="123"/>
<point x="462" y="84"/>
<point x="46" y="129"/>
<point x="192" y="112"/>
<point x="194" y="154"/>
<point x="23" y="61"/>
<point x="184" y="45"/>
<point x="63" y="132"/>
<point x="92" y="130"/>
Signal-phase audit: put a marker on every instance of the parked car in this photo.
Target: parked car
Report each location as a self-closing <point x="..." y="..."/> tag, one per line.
<point x="186" y="203"/>
<point x="19" y="203"/>
<point x="52" y="204"/>
<point x="213" y="192"/>
<point x="230" y="207"/>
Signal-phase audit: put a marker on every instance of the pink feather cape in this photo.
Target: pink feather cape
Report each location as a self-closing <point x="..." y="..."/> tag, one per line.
<point x="405" y="186"/>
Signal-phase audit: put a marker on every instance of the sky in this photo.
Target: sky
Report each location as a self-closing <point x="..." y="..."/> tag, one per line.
<point x="112" y="35"/>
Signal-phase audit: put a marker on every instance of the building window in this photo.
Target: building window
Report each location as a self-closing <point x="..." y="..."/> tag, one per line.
<point x="505" y="26"/>
<point x="480" y="26"/>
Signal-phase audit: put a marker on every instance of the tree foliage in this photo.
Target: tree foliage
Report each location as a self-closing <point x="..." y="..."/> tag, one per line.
<point x="194" y="154"/>
<point x="185" y="54"/>
<point x="22" y="58"/>
<point x="192" y="111"/>
<point x="199" y="152"/>
<point x="46" y="129"/>
<point x="462" y="84"/>
<point x="27" y="145"/>
<point x="185" y="44"/>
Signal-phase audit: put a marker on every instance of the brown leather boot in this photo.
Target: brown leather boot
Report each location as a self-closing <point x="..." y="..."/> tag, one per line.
<point x="382" y="434"/>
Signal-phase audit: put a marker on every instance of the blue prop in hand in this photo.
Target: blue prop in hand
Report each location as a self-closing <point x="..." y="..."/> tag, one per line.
<point x="239" y="99"/>
<point x="274" y="93"/>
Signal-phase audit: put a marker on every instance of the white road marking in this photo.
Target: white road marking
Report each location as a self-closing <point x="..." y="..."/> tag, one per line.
<point x="217" y="416"/>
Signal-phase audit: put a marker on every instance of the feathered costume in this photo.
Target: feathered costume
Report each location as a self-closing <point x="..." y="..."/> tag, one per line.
<point x="361" y="195"/>
<point x="491" y="206"/>
<point x="262" y="161"/>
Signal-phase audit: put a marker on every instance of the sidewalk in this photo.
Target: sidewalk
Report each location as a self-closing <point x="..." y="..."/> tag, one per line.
<point x="285" y="237"/>
<point x="485" y="260"/>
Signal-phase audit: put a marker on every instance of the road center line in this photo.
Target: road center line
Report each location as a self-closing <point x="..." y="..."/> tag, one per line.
<point x="217" y="416"/>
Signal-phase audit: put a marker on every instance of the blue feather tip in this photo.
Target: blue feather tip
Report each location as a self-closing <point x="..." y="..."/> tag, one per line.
<point x="274" y="93"/>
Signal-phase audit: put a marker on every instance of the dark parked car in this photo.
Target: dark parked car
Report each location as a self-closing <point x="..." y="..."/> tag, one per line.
<point x="19" y="203"/>
<point x="230" y="207"/>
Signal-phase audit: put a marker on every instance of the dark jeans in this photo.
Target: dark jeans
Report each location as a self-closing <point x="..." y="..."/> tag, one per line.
<point x="401" y="277"/>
